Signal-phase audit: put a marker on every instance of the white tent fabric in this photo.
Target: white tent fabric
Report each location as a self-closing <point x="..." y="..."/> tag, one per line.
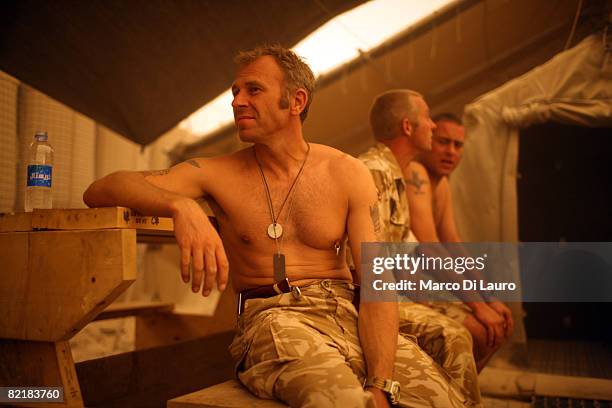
<point x="574" y="87"/>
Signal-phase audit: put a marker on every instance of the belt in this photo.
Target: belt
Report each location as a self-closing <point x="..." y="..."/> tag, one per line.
<point x="278" y="288"/>
<point x="267" y="291"/>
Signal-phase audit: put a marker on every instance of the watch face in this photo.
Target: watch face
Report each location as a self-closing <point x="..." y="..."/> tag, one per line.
<point x="390" y="387"/>
<point x="394" y="392"/>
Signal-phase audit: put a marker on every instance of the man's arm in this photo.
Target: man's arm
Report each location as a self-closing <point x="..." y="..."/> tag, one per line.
<point x="423" y="225"/>
<point x="171" y="193"/>
<point x="448" y="232"/>
<point x="378" y="321"/>
<point x="447" y="229"/>
<point x="419" y="194"/>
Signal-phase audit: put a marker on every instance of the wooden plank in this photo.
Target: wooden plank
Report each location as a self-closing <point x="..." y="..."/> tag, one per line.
<point x="506" y="383"/>
<point x="14" y="258"/>
<point x="15" y="222"/>
<point x="155" y="237"/>
<point x="33" y="363"/>
<point x="524" y="384"/>
<point x="504" y="403"/>
<point x="225" y="395"/>
<point x="573" y="387"/>
<point x="126" y="309"/>
<point x="148" y="378"/>
<point x="71" y="276"/>
<point x="150" y="229"/>
<point x="93" y="218"/>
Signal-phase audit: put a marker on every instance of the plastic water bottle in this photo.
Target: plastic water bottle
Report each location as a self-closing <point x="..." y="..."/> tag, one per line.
<point x="39" y="174"/>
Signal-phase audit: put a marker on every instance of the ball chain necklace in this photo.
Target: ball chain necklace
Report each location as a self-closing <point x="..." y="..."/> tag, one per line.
<point x="275" y="229"/>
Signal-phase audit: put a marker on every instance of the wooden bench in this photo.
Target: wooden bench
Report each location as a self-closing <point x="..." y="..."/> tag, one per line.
<point x="225" y="395"/>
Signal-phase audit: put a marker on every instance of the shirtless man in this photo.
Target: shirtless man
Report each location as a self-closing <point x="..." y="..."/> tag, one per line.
<point x="283" y="207"/>
<point x="402" y="127"/>
<point x="490" y="323"/>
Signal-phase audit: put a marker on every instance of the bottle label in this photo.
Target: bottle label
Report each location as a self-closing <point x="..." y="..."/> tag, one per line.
<point x="39" y="175"/>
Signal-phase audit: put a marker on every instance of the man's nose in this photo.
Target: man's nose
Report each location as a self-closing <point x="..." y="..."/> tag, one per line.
<point x="238" y="101"/>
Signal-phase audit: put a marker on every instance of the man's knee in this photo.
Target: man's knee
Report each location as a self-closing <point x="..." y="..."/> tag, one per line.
<point x="423" y="382"/>
<point x="356" y="397"/>
<point x="323" y="385"/>
<point x="456" y="333"/>
<point x="444" y="333"/>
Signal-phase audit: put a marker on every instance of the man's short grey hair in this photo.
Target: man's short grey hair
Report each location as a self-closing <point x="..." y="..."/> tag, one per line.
<point x="297" y="74"/>
<point x="390" y="109"/>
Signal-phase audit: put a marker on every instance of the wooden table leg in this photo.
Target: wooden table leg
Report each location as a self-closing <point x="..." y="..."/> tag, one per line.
<point x="40" y="363"/>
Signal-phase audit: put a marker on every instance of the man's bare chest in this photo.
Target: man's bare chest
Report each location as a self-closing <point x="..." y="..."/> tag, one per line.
<point x="313" y="214"/>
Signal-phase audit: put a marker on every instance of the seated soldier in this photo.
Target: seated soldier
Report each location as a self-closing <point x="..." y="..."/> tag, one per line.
<point x="283" y="205"/>
<point x="402" y="127"/>
<point x="429" y="195"/>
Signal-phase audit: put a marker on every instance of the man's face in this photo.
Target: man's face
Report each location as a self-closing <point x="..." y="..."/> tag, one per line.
<point x="259" y="104"/>
<point x="422" y="129"/>
<point x="446" y="150"/>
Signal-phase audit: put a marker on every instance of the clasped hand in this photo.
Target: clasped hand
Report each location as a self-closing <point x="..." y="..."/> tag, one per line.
<point x="497" y="320"/>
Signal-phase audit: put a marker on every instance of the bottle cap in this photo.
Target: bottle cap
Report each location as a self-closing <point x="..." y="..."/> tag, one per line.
<point x="41" y="136"/>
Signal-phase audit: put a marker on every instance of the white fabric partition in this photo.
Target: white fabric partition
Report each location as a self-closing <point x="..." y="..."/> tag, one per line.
<point x="574" y="87"/>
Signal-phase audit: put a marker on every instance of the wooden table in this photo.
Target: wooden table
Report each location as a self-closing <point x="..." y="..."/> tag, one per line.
<point x="61" y="269"/>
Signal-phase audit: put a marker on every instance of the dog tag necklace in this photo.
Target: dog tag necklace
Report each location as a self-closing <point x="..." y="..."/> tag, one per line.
<point x="275" y="229"/>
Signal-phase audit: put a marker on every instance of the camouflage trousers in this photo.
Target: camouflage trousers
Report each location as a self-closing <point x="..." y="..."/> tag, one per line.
<point x="440" y="333"/>
<point x="306" y="352"/>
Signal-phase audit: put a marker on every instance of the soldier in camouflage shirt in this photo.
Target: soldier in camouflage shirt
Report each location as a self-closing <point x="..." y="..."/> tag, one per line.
<point x="401" y="124"/>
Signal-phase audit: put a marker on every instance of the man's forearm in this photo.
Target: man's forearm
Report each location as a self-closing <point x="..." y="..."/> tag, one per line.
<point x="130" y="189"/>
<point x="378" y="330"/>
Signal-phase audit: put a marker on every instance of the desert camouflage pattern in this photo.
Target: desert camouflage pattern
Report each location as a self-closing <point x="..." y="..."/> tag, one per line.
<point x="306" y="352"/>
<point x="456" y="310"/>
<point x="392" y="200"/>
<point x="438" y="326"/>
<point x="440" y="333"/>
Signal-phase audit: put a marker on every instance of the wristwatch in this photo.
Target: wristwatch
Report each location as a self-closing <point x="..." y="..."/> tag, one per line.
<point x="389" y="387"/>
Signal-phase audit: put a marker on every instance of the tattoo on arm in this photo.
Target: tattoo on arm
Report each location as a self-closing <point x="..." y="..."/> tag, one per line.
<point x="155" y="172"/>
<point x="417" y="182"/>
<point x="193" y="163"/>
<point x="375" y="218"/>
<point x="166" y="171"/>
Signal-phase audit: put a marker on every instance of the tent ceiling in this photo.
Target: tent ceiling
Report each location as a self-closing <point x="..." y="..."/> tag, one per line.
<point x="141" y="66"/>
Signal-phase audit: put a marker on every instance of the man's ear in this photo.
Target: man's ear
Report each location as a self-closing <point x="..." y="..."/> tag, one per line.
<point x="406" y="127"/>
<point x="298" y="102"/>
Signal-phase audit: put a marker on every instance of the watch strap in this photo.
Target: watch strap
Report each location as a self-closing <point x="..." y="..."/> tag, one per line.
<point x="388" y="386"/>
<point x="377" y="382"/>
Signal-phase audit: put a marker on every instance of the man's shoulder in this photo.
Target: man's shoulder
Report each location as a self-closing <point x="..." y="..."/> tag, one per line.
<point x="326" y="151"/>
<point x="418" y="168"/>
<point x="221" y="163"/>
<point x="335" y="158"/>
<point x="342" y="169"/>
<point x="377" y="159"/>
